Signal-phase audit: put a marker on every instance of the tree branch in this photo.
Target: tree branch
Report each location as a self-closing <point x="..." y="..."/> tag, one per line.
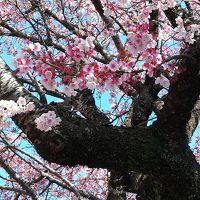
<point x="98" y="144"/>
<point x="22" y="183"/>
<point x="194" y="119"/>
<point x="99" y="8"/>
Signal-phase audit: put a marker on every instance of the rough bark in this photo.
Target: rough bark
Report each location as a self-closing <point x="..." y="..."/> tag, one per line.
<point x="194" y="119"/>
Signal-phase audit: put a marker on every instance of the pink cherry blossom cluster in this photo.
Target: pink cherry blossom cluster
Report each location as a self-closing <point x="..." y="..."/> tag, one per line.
<point x="76" y="69"/>
<point x="91" y="75"/>
<point x="139" y="39"/>
<point x="197" y="148"/>
<point x="162" y="81"/>
<point x="11" y="108"/>
<point x="77" y="72"/>
<point x="47" y="121"/>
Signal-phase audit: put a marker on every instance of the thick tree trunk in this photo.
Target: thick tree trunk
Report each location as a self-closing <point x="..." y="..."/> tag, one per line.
<point x="182" y="181"/>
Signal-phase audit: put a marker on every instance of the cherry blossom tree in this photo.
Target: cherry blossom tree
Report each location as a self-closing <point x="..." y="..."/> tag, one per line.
<point x="144" y="54"/>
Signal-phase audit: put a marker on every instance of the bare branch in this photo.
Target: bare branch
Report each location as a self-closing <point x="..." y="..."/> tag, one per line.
<point x="13" y="189"/>
<point x="98" y="6"/>
<point x="22" y="183"/>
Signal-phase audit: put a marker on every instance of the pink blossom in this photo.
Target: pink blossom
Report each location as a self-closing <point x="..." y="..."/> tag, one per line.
<point x="35" y="47"/>
<point x="21" y="101"/>
<point x="47" y="121"/>
<point x="162" y="81"/>
<point x="10" y="108"/>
